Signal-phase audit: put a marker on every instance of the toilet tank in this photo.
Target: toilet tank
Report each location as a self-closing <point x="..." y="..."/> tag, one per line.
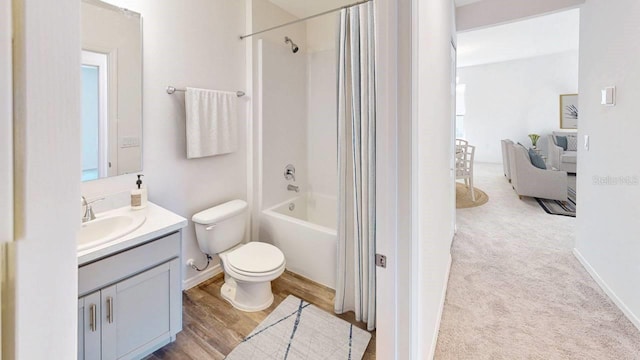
<point x="221" y="227"/>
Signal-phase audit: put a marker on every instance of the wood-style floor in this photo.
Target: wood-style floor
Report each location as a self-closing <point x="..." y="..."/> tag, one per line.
<point x="212" y="327"/>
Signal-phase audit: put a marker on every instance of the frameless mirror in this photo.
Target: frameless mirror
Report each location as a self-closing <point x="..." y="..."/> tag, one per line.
<point x="111" y="90"/>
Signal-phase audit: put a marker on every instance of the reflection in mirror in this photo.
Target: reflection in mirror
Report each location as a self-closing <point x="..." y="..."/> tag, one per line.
<point x="111" y="90"/>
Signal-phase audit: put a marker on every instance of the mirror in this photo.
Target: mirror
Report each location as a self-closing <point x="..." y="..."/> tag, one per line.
<point x="111" y="90"/>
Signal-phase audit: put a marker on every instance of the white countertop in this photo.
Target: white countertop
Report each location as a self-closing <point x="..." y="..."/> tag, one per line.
<point x="159" y="222"/>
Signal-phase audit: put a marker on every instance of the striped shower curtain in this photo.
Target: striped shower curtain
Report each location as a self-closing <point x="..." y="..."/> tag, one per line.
<point x="356" y="276"/>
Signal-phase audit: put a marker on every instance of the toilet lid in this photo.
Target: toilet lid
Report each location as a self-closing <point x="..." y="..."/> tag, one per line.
<point x="256" y="257"/>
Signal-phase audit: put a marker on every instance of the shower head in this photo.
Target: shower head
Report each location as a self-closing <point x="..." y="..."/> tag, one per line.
<point x="294" y="47"/>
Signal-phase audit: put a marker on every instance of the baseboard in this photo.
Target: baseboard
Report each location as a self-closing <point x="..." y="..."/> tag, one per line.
<point x="434" y="342"/>
<point x="201" y="276"/>
<point x="603" y="285"/>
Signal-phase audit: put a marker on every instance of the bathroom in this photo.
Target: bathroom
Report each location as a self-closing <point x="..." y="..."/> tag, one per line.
<point x="185" y="44"/>
<point x="286" y="118"/>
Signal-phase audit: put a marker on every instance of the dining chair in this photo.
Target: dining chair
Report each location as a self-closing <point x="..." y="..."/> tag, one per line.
<point x="460" y="143"/>
<point x="464" y="166"/>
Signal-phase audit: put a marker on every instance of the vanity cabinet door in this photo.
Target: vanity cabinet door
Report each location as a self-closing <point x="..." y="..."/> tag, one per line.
<point x="89" y="329"/>
<point x="137" y="312"/>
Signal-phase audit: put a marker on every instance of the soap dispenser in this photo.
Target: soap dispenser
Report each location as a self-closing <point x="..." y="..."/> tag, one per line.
<point x="139" y="195"/>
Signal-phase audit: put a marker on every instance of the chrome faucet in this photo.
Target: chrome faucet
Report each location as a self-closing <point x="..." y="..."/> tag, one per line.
<point x="290" y="172"/>
<point x="88" y="212"/>
<point x="293" y="188"/>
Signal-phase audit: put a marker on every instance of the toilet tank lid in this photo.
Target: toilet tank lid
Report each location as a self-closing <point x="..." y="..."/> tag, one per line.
<point x="219" y="212"/>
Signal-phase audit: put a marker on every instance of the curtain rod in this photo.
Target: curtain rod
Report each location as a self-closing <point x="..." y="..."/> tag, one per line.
<point x="242" y="37"/>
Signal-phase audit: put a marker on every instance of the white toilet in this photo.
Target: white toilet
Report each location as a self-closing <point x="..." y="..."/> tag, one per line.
<point x="248" y="268"/>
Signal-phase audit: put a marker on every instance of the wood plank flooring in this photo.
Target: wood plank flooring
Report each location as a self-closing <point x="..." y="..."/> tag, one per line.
<point x="212" y="327"/>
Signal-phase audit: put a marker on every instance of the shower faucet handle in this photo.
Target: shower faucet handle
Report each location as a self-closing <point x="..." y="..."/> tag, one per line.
<point x="290" y="172"/>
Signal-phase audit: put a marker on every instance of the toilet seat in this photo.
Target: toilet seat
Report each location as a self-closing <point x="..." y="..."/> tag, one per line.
<point x="255" y="259"/>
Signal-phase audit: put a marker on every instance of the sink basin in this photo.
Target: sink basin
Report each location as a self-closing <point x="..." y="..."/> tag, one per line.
<point x="109" y="226"/>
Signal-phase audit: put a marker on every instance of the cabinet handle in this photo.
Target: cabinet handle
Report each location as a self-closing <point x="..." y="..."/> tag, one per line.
<point x="110" y="309"/>
<point x="92" y="317"/>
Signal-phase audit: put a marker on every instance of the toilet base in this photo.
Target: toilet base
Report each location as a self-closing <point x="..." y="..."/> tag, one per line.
<point x="245" y="296"/>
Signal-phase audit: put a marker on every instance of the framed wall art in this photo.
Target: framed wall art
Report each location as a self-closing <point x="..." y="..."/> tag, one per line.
<point x="569" y="111"/>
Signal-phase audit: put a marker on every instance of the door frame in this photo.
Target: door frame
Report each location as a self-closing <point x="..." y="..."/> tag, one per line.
<point x="394" y="233"/>
<point x="6" y="166"/>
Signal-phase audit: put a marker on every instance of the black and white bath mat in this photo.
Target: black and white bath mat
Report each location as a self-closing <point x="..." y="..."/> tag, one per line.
<point x="298" y="330"/>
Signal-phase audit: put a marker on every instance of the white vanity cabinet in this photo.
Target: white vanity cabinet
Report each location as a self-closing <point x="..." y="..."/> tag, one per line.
<point x="130" y="303"/>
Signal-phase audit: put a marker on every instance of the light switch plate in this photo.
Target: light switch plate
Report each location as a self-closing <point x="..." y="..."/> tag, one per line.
<point x="129" y="141"/>
<point x="608" y="96"/>
<point x="586" y="142"/>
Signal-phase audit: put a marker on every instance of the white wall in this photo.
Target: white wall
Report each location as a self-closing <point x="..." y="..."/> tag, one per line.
<point x="491" y="12"/>
<point x="43" y="283"/>
<point x="192" y="44"/>
<point x="322" y="129"/>
<point x="509" y="100"/>
<point x="607" y="232"/>
<point x="283" y="98"/>
<point x="432" y="176"/>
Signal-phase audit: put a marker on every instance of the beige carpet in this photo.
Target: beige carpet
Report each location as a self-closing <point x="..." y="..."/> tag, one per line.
<point x="517" y="292"/>
<point x="464" y="199"/>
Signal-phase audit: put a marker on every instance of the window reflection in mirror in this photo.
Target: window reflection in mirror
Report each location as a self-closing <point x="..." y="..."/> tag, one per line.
<point x="94" y="115"/>
<point x="111" y="90"/>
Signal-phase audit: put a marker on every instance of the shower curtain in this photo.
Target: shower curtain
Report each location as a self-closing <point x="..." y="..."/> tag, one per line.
<point x="356" y="275"/>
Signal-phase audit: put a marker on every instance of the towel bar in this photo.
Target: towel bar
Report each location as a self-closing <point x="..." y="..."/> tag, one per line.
<point x="171" y="90"/>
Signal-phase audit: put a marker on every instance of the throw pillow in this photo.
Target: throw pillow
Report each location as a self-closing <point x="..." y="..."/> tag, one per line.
<point x="572" y="143"/>
<point x="536" y="160"/>
<point x="562" y="142"/>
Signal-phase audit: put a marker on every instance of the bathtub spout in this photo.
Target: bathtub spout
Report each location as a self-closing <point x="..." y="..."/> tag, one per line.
<point x="293" y="188"/>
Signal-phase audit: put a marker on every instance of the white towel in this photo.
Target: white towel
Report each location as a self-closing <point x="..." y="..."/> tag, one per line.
<point x="211" y="122"/>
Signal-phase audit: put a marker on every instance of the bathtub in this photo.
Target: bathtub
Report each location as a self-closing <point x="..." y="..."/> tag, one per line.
<point x="304" y="228"/>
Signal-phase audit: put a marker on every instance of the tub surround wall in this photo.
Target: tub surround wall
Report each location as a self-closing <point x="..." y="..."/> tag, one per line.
<point x="322" y="33"/>
<point x="322" y="126"/>
<point x="265" y="14"/>
<point x="284" y="108"/>
<point x="187" y="44"/>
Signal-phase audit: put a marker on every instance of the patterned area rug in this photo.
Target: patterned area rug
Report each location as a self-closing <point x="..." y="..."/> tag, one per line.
<point x="298" y="330"/>
<point x="556" y="207"/>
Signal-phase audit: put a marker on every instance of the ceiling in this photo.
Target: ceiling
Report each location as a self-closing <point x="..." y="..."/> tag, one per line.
<point x="543" y="35"/>
<point x="465" y="2"/>
<point x="304" y="8"/>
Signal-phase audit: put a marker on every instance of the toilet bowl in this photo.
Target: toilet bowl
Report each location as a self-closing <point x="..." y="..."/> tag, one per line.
<point x="248" y="268"/>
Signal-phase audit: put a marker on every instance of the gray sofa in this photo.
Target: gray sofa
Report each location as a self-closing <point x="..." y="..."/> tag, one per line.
<point x="565" y="160"/>
<point x="505" y="158"/>
<point x="528" y="180"/>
